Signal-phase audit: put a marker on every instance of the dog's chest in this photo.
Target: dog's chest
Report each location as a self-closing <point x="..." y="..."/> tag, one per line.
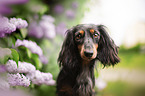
<point x="85" y="83"/>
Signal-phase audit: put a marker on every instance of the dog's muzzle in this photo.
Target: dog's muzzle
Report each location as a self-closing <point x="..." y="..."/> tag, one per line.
<point x="88" y="49"/>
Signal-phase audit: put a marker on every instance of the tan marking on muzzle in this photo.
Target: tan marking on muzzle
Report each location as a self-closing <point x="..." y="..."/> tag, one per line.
<point x="81" y="50"/>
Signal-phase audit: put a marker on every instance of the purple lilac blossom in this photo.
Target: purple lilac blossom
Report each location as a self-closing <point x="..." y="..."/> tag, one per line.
<point x="70" y="14"/>
<point x="48" y="18"/>
<point x="5" y="5"/>
<point x="58" y="9"/>
<point x="44" y="28"/>
<point x="6" y="26"/>
<point x="35" y="30"/>
<point x="39" y="78"/>
<point x="18" y="80"/>
<point x="4" y="9"/>
<point x="19" y="23"/>
<point x="48" y="29"/>
<point x="43" y="59"/>
<point x="75" y="5"/>
<point x="4" y="85"/>
<point x="2" y="68"/>
<point x="32" y="46"/>
<point x="11" y="66"/>
<point x="9" y="2"/>
<point x="23" y="67"/>
<point x="61" y="28"/>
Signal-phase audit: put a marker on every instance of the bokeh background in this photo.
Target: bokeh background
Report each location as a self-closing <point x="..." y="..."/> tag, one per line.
<point x="36" y="38"/>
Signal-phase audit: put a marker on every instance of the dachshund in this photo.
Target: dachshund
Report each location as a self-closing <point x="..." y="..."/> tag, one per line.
<point x="84" y="44"/>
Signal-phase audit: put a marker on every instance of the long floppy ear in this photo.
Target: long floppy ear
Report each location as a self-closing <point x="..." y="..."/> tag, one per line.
<point x="67" y="55"/>
<point x="107" y="50"/>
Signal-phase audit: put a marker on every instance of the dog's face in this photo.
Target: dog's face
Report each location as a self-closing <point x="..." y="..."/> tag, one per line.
<point x="86" y="37"/>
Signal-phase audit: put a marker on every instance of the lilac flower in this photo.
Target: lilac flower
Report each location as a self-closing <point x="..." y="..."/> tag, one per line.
<point x="35" y="30"/>
<point x="9" y="2"/>
<point x="4" y="5"/>
<point x="32" y="46"/>
<point x="48" y="18"/>
<point x="48" y="29"/>
<point x="41" y="78"/>
<point x="18" y="80"/>
<point x="5" y="9"/>
<point x="6" y="26"/>
<point x="61" y="28"/>
<point x="23" y="67"/>
<point x="19" y="23"/>
<point x="4" y="85"/>
<point x="50" y="82"/>
<point x="44" y="28"/>
<point x="58" y="9"/>
<point x="70" y="14"/>
<point x="43" y="59"/>
<point x="2" y="68"/>
<point x="75" y="5"/>
<point x="11" y="66"/>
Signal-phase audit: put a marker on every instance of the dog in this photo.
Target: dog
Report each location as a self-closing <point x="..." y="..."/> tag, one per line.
<point x="84" y="44"/>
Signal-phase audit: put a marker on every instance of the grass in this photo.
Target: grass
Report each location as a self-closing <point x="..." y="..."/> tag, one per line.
<point x="120" y="88"/>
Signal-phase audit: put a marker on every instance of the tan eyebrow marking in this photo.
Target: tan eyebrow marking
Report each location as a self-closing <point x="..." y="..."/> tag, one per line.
<point x="81" y="32"/>
<point x="92" y="31"/>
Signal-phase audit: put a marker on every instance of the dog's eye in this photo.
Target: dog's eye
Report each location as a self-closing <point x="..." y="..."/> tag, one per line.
<point x="95" y="35"/>
<point x="78" y="36"/>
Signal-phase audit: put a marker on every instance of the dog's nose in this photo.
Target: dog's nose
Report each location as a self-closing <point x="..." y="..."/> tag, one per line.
<point x="88" y="53"/>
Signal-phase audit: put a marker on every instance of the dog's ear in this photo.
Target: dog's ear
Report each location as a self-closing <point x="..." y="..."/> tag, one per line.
<point x="107" y="50"/>
<point x="67" y="54"/>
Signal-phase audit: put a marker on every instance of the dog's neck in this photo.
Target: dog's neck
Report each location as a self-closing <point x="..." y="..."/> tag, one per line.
<point x="85" y="78"/>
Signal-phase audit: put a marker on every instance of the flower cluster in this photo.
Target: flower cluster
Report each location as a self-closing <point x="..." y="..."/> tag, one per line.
<point x="8" y="26"/>
<point x="32" y="46"/>
<point x="19" y="23"/>
<point x="5" y="5"/>
<point x="32" y="74"/>
<point x="23" y="67"/>
<point x="18" y="80"/>
<point x="41" y="78"/>
<point x="58" y="9"/>
<point x="70" y="14"/>
<point x="44" y="28"/>
<point x="61" y="28"/>
<point x="4" y="85"/>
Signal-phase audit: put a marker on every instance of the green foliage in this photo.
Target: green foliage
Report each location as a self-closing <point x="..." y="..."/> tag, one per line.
<point x="132" y="58"/>
<point x="15" y="55"/>
<point x="7" y="54"/>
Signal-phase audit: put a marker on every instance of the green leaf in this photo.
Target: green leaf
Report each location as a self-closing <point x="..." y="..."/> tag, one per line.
<point x="13" y="40"/>
<point x="18" y="36"/>
<point x="29" y="53"/>
<point x="24" y="32"/>
<point x="15" y="55"/>
<point x="37" y="61"/>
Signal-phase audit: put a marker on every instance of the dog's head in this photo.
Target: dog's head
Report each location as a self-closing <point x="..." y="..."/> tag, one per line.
<point x="90" y="42"/>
